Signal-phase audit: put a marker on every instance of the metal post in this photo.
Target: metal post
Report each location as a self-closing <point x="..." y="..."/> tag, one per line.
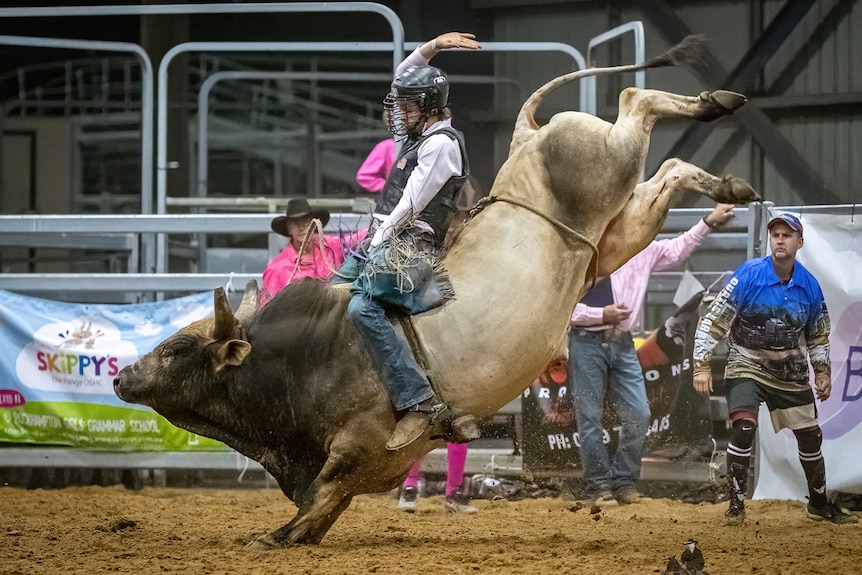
<point x="146" y="110"/>
<point x="637" y="28"/>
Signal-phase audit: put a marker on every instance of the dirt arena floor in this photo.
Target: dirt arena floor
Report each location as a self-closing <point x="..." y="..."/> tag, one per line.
<point x="90" y="530"/>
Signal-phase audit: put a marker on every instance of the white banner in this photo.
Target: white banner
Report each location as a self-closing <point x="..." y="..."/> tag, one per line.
<point x="833" y="253"/>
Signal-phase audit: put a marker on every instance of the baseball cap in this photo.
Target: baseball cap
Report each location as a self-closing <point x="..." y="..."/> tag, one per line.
<point x="789" y="220"/>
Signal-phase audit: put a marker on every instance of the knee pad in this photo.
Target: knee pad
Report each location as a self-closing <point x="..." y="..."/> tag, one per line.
<point x="809" y="440"/>
<point x="742" y="434"/>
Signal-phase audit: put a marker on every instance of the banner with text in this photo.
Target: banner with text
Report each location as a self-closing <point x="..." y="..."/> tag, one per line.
<point x="57" y="366"/>
<point x="833" y="253"/>
<point x="681" y="426"/>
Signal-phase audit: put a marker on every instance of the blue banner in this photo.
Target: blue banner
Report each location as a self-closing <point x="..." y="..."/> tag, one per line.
<point x="57" y="365"/>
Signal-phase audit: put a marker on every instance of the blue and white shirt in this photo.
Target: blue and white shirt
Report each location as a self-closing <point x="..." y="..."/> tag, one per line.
<point x="774" y="327"/>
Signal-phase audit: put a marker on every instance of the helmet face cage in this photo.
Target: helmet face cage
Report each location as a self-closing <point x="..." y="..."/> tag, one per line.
<point x="398" y="107"/>
<point x="419" y="88"/>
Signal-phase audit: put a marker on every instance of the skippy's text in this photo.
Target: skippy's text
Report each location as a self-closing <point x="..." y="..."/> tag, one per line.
<point x="74" y="364"/>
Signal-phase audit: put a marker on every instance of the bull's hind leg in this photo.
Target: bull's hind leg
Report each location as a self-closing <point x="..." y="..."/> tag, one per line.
<point x="644" y="214"/>
<point x="677" y="176"/>
<point x="650" y="105"/>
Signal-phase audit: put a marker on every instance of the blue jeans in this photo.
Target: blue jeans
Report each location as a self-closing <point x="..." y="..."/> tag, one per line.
<point x="404" y="377"/>
<point x="604" y="365"/>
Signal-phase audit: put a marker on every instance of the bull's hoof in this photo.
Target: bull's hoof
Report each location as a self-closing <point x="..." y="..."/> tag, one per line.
<point x="463" y="429"/>
<point x="719" y="103"/>
<point x="730" y="101"/>
<point x="733" y="190"/>
<point x="263" y="543"/>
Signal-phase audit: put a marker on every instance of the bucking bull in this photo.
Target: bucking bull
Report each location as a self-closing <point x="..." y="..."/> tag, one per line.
<point x="292" y="385"/>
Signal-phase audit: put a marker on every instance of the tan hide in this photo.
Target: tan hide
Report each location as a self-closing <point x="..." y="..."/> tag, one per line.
<point x="517" y="274"/>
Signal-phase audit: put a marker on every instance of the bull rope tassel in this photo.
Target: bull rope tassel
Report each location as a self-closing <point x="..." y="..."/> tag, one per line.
<point x="401" y="254"/>
<point x="315" y="226"/>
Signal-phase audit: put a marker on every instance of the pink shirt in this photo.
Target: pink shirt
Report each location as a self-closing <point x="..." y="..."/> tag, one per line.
<point x="630" y="282"/>
<point x="314" y="265"/>
<point x="375" y="169"/>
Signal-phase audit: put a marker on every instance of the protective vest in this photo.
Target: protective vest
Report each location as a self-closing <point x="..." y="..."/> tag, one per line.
<point x="438" y="213"/>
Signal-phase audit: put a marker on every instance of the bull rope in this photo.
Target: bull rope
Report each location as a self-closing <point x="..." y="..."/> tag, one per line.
<point x="486" y="201"/>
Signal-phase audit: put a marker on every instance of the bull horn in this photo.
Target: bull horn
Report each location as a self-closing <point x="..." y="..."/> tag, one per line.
<point x="224" y="322"/>
<point x="249" y="304"/>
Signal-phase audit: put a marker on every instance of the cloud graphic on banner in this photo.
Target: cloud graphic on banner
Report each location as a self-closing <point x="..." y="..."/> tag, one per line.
<point x="148" y="328"/>
<point x="183" y="315"/>
<point x="188" y="314"/>
<point x="79" y="356"/>
<point x="843" y="410"/>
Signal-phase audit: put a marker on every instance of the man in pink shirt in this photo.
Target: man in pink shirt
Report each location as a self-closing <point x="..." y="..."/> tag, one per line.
<point x="289" y="265"/>
<point x="603" y="363"/>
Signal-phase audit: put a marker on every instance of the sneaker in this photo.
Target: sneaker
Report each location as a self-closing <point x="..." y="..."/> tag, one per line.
<point x="829" y="512"/>
<point x="407" y="501"/>
<point x="458" y="503"/>
<point x="627" y="495"/>
<point x="735" y="513"/>
<point x="604" y="498"/>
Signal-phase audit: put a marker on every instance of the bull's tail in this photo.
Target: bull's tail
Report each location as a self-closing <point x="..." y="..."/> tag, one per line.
<point x="688" y="52"/>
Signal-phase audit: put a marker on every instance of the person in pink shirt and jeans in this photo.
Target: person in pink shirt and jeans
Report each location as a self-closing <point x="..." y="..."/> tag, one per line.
<point x="603" y="364"/>
<point x="289" y="266"/>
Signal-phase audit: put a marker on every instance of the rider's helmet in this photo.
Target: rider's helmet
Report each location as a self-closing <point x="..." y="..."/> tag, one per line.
<point x="419" y="88"/>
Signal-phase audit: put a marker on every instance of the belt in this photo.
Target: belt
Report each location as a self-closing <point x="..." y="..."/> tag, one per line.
<point x="611" y="335"/>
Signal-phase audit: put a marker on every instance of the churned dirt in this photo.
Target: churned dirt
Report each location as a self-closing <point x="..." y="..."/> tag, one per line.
<point x="90" y="530"/>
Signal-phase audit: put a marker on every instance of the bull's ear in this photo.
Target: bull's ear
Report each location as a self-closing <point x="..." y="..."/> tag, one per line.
<point x="231" y="352"/>
<point x="224" y="321"/>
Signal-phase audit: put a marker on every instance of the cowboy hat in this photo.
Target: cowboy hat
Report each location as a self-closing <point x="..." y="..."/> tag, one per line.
<point x="298" y="208"/>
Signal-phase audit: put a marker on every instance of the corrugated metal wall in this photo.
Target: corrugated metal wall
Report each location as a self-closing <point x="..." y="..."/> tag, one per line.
<point x="819" y="61"/>
<point x="810" y="89"/>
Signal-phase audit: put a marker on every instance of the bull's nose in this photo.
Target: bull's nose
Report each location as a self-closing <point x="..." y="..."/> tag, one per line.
<point x="118" y="382"/>
<point x="120" y="379"/>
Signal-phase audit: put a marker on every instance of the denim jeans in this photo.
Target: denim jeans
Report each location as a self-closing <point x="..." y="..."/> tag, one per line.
<point x="604" y="365"/>
<point x="403" y="376"/>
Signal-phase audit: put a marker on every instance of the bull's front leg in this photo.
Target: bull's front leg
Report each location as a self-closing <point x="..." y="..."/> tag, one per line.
<point x="358" y="462"/>
<point x="319" y="508"/>
<point x="644" y="214"/>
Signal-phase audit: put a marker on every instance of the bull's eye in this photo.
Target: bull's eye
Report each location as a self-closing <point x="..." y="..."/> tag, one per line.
<point x="177" y="347"/>
<point x="180" y="344"/>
